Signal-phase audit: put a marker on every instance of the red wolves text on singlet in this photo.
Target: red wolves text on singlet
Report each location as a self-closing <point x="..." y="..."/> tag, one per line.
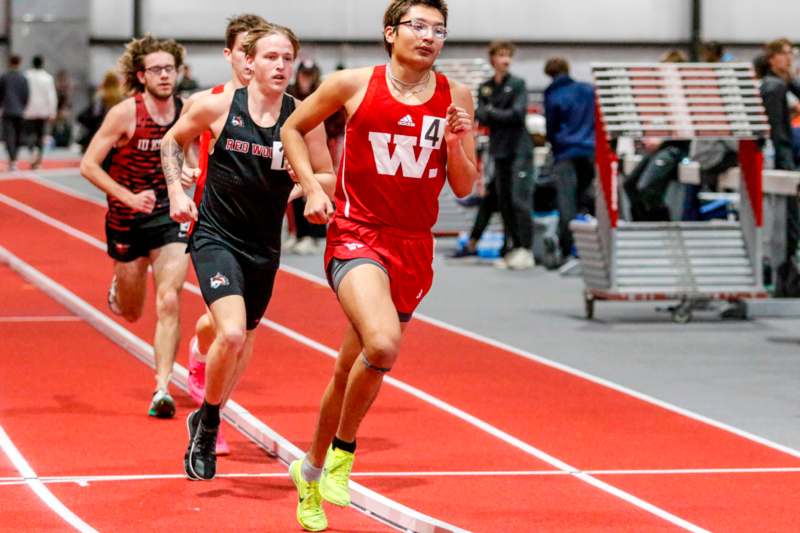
<point x="395" y="159"/>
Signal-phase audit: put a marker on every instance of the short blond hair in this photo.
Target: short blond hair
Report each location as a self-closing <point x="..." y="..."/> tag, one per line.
<point x="131" y="62"/>
<point x="258" y="33"/>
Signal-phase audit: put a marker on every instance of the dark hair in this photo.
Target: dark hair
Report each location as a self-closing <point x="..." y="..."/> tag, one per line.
<point x="713" y="49"/>
<point x="496" y="47"/>
<point x="761" y="65"/>
<point x="14" y="60"/>
<point x="398" y="8"/>
<point x="256" y="34"/>
<point x="309" y="68"/>
<point x="132" y="60"/>
<point x="37" y="61"/>
<point x="556" y="66"/>
<point x="241" y="24"/>
<point x="776" y="46"/>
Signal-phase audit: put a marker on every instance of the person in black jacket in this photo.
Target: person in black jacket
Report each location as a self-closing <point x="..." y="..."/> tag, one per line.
<point x="13" y="97"/>
<point x="502" y="107"/>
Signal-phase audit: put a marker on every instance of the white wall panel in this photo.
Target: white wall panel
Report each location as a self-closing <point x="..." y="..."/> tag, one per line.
<point x="112" y="19"/>
<point x="531" y="20"/>
<point x="572" y="20"/>
<point x="751" y="20"/>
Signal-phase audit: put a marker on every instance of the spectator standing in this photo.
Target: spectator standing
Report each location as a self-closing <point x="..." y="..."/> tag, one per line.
<point x="775" y="86"/>
<point x="308" y="236"/>
<point x="13" y="97"/>
<point x="569" y="115"/>
<point x="108" y="94"/>
<point x="188" y="84"/>
<point x="502" y="107"/>
<point x="64" y="88"/>
<point x="41" y="106"/>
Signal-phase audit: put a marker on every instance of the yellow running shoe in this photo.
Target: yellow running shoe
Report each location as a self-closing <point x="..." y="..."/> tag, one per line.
<point x="333" y="486"/>
<point x="310" y="514"/>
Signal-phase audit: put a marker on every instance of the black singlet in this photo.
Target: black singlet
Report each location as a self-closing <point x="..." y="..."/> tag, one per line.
<point x="247" y="187"/>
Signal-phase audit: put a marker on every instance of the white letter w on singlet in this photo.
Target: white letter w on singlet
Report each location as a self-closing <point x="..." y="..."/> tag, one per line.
<point x="403" y="155"/>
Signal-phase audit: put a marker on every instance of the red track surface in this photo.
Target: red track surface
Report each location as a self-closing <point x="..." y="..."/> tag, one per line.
<point x="579" y="422"/>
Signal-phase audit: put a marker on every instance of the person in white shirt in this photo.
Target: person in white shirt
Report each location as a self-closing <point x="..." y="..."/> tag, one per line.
<point x="41" y="106"/>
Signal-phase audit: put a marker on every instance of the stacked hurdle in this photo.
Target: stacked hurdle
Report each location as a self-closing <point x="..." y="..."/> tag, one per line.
<point x="689" y="262"/>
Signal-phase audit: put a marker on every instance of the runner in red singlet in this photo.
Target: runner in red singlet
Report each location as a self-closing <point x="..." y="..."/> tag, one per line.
<point x="139" y="232"/>
<point x="409" y="129"/>
<point x="197" y="165"/>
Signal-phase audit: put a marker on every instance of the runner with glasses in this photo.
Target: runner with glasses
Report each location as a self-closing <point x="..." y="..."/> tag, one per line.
<point x="124" y="161"/>
<point x="408" y="130"/>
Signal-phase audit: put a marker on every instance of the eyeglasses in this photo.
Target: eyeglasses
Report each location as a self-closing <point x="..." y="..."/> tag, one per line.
<point x="423" y="29"/>
<point x="158" y="69"/>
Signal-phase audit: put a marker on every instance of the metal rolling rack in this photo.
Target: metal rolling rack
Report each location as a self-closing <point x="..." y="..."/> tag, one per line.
<point x="690" y="262"/>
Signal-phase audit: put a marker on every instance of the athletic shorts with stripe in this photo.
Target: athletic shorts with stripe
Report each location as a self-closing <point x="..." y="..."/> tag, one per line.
<point x="141" y="237"/>
<point x="223" y="271"/>
<point x="406" y="257"/>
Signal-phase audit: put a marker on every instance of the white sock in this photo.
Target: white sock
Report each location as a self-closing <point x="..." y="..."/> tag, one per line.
<point x="310" y="472"/>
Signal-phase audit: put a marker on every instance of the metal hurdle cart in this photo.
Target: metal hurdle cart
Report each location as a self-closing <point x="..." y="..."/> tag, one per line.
<point x="692" y="263"/>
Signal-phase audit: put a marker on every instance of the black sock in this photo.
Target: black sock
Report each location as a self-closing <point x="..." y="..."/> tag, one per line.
<point x="209" y="414"/>
<point x="344" y="445"/>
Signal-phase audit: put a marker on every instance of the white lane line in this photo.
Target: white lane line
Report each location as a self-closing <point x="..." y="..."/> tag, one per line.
<point x="363" y="499"/>
<point x="579" y="373"/>
<point x="55" y="318"/>
<point x="421" y="474"/>
<point x="38" y="487"/>
<point x="69" y="191"/>
<point x="418" y="393"/>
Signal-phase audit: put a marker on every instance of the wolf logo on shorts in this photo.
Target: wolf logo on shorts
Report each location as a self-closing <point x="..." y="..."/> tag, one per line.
<point x="218" y="280"/>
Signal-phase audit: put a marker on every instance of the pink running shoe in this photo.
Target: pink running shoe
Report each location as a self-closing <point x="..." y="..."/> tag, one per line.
<point x="197" y="373"/>
<point x="222" y="445"/>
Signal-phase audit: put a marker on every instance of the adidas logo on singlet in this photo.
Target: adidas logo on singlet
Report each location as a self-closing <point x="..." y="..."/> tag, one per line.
<point x="406" y="121"/>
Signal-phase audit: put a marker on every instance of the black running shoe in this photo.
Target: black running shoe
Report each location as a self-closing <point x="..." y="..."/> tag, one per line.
<point x="200" y="459"/>
<point x="162" y="405"/>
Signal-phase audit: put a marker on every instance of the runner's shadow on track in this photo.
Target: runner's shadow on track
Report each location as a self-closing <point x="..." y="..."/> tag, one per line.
<point x="252" y="489"/>
<point x="66" y="405"/>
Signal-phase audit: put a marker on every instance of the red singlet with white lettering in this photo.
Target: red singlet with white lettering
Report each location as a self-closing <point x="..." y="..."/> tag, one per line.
<point x="394" y="161"/>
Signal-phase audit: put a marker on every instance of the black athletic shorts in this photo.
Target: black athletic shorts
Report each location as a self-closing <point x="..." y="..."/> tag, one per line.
<point x="136" y="242"/>
<point x="223" y="271"/>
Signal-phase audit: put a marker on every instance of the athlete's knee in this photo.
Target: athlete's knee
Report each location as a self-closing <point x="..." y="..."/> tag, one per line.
<point x="231" y="337"/>
<point x="380" y="351"/>
<point x="167" y="303"/>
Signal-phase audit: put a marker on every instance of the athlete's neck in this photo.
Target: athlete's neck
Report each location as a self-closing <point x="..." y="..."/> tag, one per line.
<point x="162" y="110"/>
<point x="408" y="74"/>
<point x="264" y="105"/>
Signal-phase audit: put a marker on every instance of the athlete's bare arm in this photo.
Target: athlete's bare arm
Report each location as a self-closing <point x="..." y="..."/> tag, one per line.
<point x="462" y="170"/>
<point x="337" y="91"/>
<point x="117" y="128"/>
<point x="208" y="112"/>
<point x="320" y="158"/>
<point x="191" y="160"/>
